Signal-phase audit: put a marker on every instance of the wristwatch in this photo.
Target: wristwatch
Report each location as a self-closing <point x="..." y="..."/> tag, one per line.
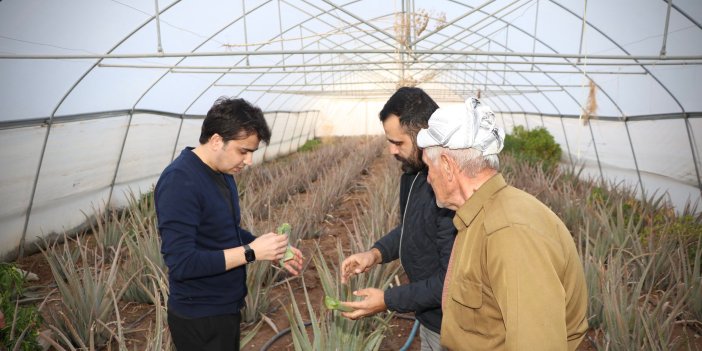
<point x="249" y="254"/>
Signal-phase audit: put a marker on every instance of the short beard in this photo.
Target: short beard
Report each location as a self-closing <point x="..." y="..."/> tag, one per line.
<point x="413" y="164"/>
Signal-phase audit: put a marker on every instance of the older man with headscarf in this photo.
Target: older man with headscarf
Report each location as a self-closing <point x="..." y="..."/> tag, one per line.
<point x="514" y="280"/>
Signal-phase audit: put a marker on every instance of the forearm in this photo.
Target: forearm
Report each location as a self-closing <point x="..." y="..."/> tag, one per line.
<point x="389" y="246"/>
<point x="234" y="257"/>
<point x="377" y="255"/>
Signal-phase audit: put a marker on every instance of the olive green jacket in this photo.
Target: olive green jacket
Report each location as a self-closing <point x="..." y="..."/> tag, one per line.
<point x="517" y="282"/>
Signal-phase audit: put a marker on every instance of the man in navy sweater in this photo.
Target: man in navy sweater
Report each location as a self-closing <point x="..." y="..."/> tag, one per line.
<point x="203" y="245"/>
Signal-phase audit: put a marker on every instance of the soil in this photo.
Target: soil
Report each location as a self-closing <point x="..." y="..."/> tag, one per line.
<point x="137" y="318"/>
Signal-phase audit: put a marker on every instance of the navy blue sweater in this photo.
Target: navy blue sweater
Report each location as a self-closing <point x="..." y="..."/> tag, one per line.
<point x="196" y="223"/>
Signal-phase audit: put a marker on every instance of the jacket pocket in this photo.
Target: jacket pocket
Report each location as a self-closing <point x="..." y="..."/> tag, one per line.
<point x="467" y="299"/>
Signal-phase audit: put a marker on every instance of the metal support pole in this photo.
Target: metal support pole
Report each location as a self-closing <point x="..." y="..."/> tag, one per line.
<point x="119" y="158"/>
<point x="175" y="145"/>
<point x="275" y="119"/>
<point x="536" y="23"/>
<point x="695" y="155"/>
<point x="20" y="250"/>
<point x="297" y="120"/>
<point x="597" y="155"/>
<point x="633" y="154"/>
<point x="582" y="31"/>
<point x="246" y="32"/>
<point x="665" y="30"/>
<point x="565" y="136"/>
<point x="282" y="40"/>
<point x="159" y="47"/>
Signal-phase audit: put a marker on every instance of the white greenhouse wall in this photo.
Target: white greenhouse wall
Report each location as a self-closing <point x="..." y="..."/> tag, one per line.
<point x="662" y="150"/>
<point x="93" y="160"/>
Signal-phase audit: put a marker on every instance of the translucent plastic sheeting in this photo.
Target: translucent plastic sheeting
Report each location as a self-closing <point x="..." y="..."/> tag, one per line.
<point x="662" y="150"/>
<point x="20" y="149"/>
<point x="84" y="155"/>
<point x="148" y="149"/>
<point x="76" y="174"/>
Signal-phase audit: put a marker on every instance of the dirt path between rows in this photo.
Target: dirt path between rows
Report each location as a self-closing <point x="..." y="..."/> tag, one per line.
<point x="337" y="225"/>
<point x="137" y="318"/>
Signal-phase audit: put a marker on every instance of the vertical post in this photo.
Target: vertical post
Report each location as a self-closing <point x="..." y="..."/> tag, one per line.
<point x="633" y="154"/>
<point x="302" y="47"/>
<point x="665" y="30"/>
<point x="695" y="156"/>
<point x="246" y="34"/>
<point x="20" y="250"/>
<point x="594" y="146"/>
<point x="265" y="151"/>
<point x="582" y="31"/>
<point x="119" y="157"/>
<point x="175" y="145"/>
<point x="282" y="40"/>
<point x="536" y="23"/>
<point x="565" y="135"/>
<point x="504" y="66"/>
<point x="297" y="120"/>
<point x="158" y="27"/>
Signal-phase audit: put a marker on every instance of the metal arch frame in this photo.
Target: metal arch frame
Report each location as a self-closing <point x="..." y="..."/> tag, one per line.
<point x="645" y="68"/>
<point x="551" y="78"/>
<point x="279" y="35"/>
<point x="318" y="41"/>
<point x="335" y="45"/>
<point x="49" y="123"/>
<point x="526" y="97"/>
<point x="642" y="65"/>
<point x="472" y="11"/>
<point x="147" y="90"/>
<point x="493" y="15"/>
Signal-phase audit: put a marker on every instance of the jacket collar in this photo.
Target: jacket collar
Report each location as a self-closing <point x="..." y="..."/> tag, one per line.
<point x="466" y="213"/>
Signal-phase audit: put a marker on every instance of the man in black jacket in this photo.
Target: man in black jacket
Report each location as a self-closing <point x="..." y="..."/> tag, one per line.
<point x="424" y="238"/>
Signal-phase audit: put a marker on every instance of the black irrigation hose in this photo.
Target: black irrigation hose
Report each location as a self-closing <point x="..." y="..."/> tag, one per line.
<point x="282" y="333"/>
<point x="275" y="337"/>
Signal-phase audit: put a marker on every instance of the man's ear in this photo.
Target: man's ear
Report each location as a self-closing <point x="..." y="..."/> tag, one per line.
<point x="446" y="165"/>
<point x="216" y="142"/>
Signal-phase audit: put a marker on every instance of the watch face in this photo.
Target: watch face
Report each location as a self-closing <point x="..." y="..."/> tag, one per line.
<point x="249" y="255"/>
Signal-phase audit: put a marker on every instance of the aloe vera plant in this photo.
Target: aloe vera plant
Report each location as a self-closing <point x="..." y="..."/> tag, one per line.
<point x="334" y="304"/>
<point x="285" y="229"/>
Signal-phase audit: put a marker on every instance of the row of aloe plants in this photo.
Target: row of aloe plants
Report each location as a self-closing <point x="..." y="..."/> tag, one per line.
<point x="305" y="214"/>
<point x="266" y="186"/>
<point x="375" y="215"/>
<point x="642" y="260"/>
<point x="124" y="264"/>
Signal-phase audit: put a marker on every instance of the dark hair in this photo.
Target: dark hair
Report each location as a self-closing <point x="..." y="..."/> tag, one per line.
<point x="413" y="106"/>
<point x="234" y="119"/>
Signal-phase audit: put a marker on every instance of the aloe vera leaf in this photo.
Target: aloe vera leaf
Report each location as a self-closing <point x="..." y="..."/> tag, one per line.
<point x="334" y="304"/>
<point x="284" y="228"/>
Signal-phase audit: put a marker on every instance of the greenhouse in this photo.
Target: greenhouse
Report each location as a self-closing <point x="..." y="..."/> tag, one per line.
<point x="99" y="97"/>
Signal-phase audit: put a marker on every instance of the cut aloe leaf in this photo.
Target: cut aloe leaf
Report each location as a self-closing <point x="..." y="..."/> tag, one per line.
<point x="334" y="304"/>
<point x="284" y="229"/>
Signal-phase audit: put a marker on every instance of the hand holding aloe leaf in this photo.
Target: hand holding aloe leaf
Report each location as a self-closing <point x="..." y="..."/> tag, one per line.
<point x="334" y="304"/>
<point x="289" y="254"/>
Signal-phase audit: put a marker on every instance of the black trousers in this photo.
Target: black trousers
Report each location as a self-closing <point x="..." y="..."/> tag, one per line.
<point x="216" y="333"/>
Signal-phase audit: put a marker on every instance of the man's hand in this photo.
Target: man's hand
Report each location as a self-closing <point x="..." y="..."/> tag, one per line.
<point x="373" y="302"/>
<point x="294" y="266"/>
<point x="270" y="246"/>
<point x="359" y="263"/>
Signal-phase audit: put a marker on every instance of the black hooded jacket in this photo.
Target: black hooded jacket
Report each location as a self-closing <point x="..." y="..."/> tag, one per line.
<point x="424" y="249"/>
